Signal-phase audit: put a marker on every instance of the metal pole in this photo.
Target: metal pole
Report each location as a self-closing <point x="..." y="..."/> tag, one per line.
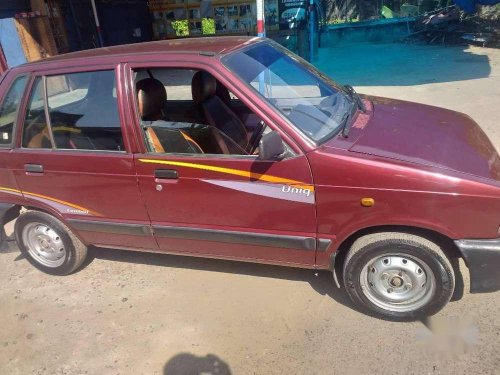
<point x="98" y="26"/>
<point x="311" y="30"/>
<point x="261" y="28"/>
<point x="261" y="32"/>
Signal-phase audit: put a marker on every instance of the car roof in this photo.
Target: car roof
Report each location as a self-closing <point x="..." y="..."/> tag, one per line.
<point x="204" y="45"/>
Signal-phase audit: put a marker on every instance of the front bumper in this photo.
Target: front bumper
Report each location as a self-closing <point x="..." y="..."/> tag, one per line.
<point x="483" y="260"/>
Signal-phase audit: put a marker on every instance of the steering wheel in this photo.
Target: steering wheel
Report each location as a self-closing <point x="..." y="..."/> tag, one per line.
<point x="257" y="134"/>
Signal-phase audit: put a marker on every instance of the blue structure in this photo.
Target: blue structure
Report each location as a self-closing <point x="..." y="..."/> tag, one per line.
<point x="11" y="45"/>
<point x="469" y="6"/>
<point x="9" y="39"/>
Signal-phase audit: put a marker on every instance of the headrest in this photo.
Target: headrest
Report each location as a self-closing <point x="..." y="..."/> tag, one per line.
<point x="151" y="98"/>
<point x="203" y="86"/>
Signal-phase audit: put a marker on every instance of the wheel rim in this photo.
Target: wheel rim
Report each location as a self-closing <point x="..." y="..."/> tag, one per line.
<point x="44" y="244"/>
<point x="398" y="282"/>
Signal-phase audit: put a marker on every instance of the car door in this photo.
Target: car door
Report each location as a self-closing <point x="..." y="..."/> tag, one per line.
<point x="72" y="157"/>
<point x="228" y="206"/>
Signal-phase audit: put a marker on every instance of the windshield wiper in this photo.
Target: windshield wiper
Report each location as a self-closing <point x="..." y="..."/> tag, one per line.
<point x="347" y="119"/>
<point x="354" y="96"/>
<point x="357" y="103"/>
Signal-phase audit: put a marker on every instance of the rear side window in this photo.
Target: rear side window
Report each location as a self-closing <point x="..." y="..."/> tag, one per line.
<point x="8" y="109"/>
<point x="82" y="113"/>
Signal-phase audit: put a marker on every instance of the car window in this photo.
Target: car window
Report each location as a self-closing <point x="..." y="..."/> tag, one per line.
<point x="83" y="113"/>
<point x="316" y="105"/>
<point x="186" y="111"/>
<point x="177" y="82"/>
<point x="8" y="109"/>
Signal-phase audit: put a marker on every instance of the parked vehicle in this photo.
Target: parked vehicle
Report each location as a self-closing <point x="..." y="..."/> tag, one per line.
<point x="235" y="148"/>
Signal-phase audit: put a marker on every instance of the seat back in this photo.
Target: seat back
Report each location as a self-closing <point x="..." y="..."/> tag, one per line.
<point x="216" y="112"/>
<point x="151" y="99"/>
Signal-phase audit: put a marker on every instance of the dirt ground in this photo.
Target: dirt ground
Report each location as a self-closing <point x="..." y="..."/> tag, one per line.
<point x="138" y="313"/>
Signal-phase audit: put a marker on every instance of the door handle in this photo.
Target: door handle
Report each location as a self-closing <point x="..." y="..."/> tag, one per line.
<point x="33" y="168"/>
<point x="166" y="174"/>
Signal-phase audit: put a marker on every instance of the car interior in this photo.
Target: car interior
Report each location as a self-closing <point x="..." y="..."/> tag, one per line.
<point x="83" y="113"/>
<point x="181" y="111"/>
<point x="189" y="111"/>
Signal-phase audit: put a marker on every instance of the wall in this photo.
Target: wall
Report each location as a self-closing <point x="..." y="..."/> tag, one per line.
<point x="368" y="31"/>
<point x="124" y="22"/>
<point x="10" y="7"/>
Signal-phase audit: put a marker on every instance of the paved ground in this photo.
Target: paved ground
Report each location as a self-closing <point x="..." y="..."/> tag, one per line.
<point x="134" y="313"/>
<point x="464" y="79"/>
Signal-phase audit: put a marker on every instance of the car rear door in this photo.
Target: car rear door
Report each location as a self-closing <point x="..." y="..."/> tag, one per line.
<point x="234" y="207"/>
<point x="73" y="160"/>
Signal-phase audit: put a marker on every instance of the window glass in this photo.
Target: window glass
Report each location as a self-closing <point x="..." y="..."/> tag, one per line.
<point x="8" y="109"/>
<point x="35" y="132"/>
<point x="186" y="111"/>
<point x="311" y="101"/>
<point x="177" y="82"/>
<point x="83" y="113"/>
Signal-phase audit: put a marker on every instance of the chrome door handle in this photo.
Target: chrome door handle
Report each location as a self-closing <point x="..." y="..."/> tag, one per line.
<point x="166" y="174"/>
<point x="33" y="168"/>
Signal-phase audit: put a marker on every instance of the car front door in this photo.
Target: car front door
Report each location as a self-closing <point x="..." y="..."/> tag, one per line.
<point x="72" y="158"/>
<point x="228" y="206"/>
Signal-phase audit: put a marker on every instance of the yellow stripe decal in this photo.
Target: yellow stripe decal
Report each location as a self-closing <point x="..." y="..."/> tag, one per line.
<point x="79" y="208"/>
<point x="10" y="190"/>
<point x="236" y="172"/>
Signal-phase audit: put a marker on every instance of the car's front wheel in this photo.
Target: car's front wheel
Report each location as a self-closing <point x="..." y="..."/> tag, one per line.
<point x="48" y="244"/>
<point x="398" y="276"/>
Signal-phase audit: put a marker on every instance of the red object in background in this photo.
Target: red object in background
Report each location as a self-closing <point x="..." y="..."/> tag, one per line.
<point x="3" y="61"/>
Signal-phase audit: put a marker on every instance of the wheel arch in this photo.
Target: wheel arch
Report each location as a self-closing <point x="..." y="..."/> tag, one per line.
<point x="443" y="241"/>
<point x="14" y="212"/>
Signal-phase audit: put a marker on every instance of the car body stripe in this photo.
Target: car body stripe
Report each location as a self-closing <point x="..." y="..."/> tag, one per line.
<point x="9" y="190"/>
<point x="35" y="195"/>
<point x="80" y="208"/>
<point x="236" y="172"/>
<point x="266" y="190"/>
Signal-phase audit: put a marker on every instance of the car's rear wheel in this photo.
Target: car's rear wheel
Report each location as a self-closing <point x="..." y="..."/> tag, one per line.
<point x="48" y="244"/>
<point x="398" y="276"/>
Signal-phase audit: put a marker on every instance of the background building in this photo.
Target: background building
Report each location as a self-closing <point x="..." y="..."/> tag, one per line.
<point x="34" y="29"/>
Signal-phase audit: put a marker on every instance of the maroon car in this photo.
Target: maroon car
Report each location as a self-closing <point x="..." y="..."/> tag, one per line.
<point x="235" y="148"/>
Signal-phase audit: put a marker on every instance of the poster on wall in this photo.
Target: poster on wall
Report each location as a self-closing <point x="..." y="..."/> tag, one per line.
<point x="271" y="14"/>
<point x="291" y="11"/>
<point x="181" y="18"/>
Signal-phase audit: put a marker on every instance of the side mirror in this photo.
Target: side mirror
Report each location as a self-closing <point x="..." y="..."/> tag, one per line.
<point x="271" y="146"/>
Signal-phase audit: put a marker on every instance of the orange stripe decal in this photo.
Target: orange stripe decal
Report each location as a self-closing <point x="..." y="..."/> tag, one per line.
<point x="235" y="172"/>
<point x="9" y="190"/>
<point x="72" y="205"/>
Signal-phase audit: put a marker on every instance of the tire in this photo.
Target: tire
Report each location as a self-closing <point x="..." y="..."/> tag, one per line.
<point x="398" y="276"/>
<point x="41" y="237"/>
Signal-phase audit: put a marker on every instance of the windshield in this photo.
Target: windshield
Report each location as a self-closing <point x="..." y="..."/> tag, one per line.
<point x="311" y="101"/>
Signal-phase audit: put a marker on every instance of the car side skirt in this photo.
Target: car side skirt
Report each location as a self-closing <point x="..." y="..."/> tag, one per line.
<point x="188" y="233"/>
<point x="111" y="227"/>
<point x="237" y="237"/>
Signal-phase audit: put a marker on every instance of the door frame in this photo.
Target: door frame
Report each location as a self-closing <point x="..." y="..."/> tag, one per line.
<point x="258" y="107"/>
<point x="302" y="241"/>
<point x="89" y="224"/>
<point x="124" y="124"/>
